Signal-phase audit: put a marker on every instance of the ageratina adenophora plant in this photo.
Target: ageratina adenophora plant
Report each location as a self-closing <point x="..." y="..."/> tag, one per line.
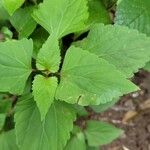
<point x="58" y="60"/>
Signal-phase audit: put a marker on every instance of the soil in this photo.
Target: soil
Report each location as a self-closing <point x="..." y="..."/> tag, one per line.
<point x="132" y="114"/>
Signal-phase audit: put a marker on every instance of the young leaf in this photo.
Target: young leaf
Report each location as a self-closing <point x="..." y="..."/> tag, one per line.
<point x="50" y="134"/>
<point x="63" y="17"/>
<point x="8" y="141"/>
<point x="134" y="14"/>
<point x="23" y="22"/>
<point x="127" y="49"/>
<point x="15" y="65"/>
<point x="89" y="80"/>
<point x="49" y="56"/>
<point x="12" y="5"/>
<point x="44" y="92"/>
<point x="77" y="142"/>
<point x="100" y="133"/>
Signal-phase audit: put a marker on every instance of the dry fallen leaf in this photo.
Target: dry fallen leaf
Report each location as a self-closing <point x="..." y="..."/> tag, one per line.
<point x="125" y="148"/>
<point x="145" y="105"/>
<point x="129" y="116"/>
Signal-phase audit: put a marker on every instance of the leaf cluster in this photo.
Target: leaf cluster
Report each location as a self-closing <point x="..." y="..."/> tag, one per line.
<point x="58" y="57"/>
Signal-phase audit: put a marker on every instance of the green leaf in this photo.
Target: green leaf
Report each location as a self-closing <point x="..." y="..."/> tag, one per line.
<point x="12" y="5"/>
<point x="44" y="92"/>
<point x="39" y="37"/>
<point x="66" y="16"/>
<point x="89" y="80"/>
<point x="77" y="142"/>
<point x="5" y="104"/>
<point x="2" y="120"/>
<point x="6" y="32"/>
<point x="15" y="65"/>
<point x="28" y="86"/>
<point x="50" y="134"/>
<point x="8" y="141"/>
<point x="103" y="107"/>
<point x="76" y="129"/>
<point x="147" y="66"/>
<point x="97" y="13"/>
<point x="100" y="133"/>
<point x="23" y="22"/>
<point x="93" y="148"/>
<point x="49" y="58"/>
<point x="109" y="3"/>
<point x="80" y="110"/>
<point x="134" y="14"/>
<point x="3" y="14"/>
<point x="127" y="49"/>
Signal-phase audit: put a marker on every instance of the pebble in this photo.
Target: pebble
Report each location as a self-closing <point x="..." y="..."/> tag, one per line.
<point x="135" y="95"/>
<point x="129" y="103"/>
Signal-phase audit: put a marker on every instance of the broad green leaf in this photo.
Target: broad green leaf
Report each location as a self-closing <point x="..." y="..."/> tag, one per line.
<point x="80" y="110"/>
<point x="49" y="58"/>
<point x="118" y="1"/>
<point x="97" y="13"/>
<point x="44" y="92"/>
<point x="3" y="14"/>
<point x="12" y="5"/>
<point x="5" y="105"/>
<point x="77" y="142"/>
<point x="134" y="14"/>
<point x="76" y="129"/>
<point x="89" y="80"/>
<point x="28" y="85"/>
<point x="8" y="141"/>
<point x="93" y="148"/>
<point x="50" y="134"/>
<point x="2" y="120"/>
<point x="100" y="133"/>
<point x="15" y="65"/>
<point x="39" y="37"/>
<point x="3" y="96"/>
<point x="103" y="107"/>
<point x="127" y="49"/>
<point x="63" y="17"/>
<point x="147" y="67"/>
<point x="23" y="22"/>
